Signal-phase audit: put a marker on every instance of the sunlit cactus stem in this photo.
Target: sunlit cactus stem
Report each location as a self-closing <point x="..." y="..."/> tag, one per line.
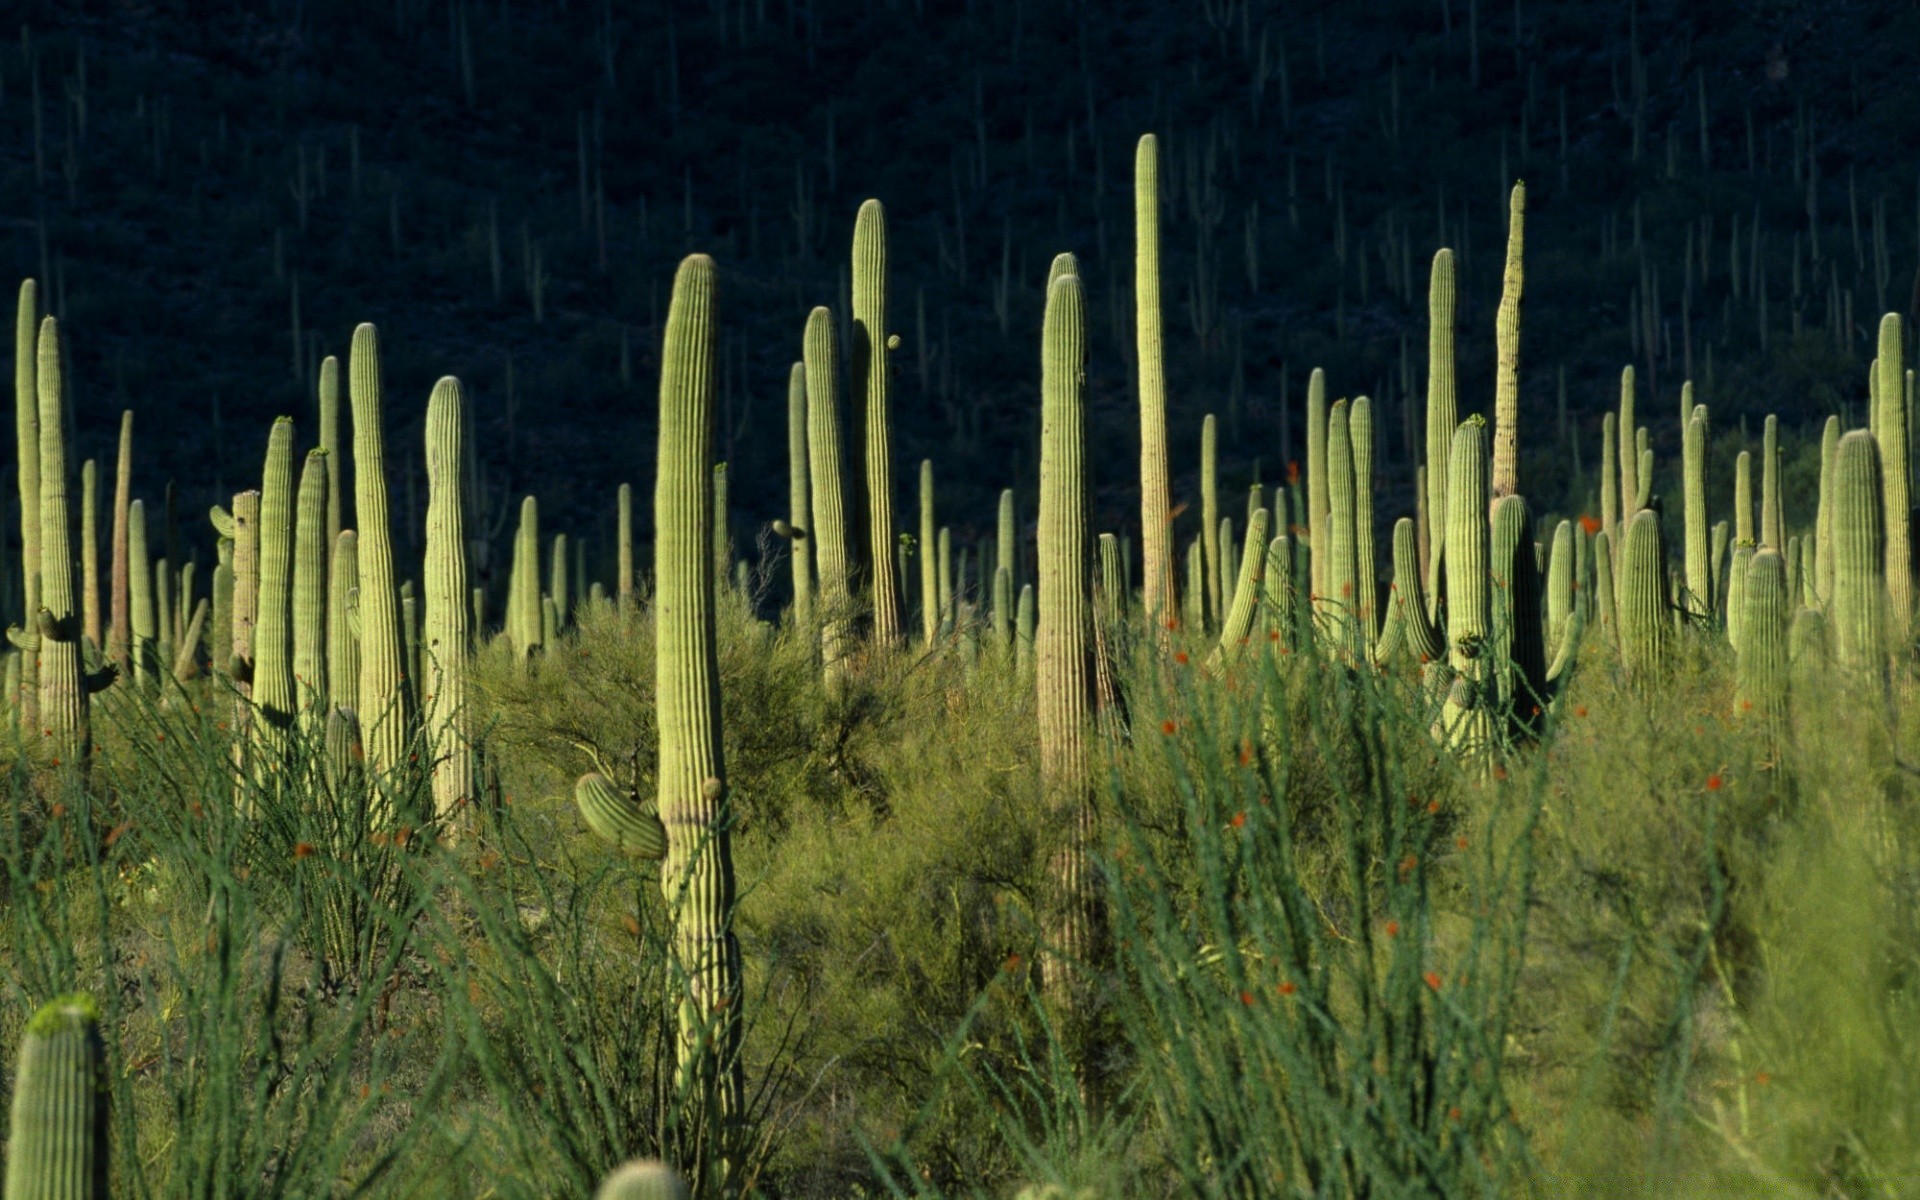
<point x="63" y="685"/>
<point x="26" y="416"/>
<point x="1156" y="533"/>
<point x="1646" y="630"/>
<point x="446" y="638"/>
<point x="697" y="878"/>
<point x="274" y="696"/>
<point x="1466" y="722"/>
<point x="1210" y="547"/>
<point x="1859" y="604"/>
<point x="643" y="1180"/>
<point x="831" y="546"/>
<point x="311" y="549"/>
<point x="1699" y="598"/>
<point x="799" y="506"/>
<point x="1442" y="411"/>
<point x="1506" y="380"/>
<point x="382" y="690"/>
<point x="929" y="569"/>
<point x="343" y="620"/>
<point x="1892" y="430"/>
<point x="868" y="358"/>
<point x="142" y="640"/>
<point x="1761" y="675"/>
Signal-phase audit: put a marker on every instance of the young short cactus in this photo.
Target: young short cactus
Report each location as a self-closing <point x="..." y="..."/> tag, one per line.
<point x="57" y="1145"/>
<point x="142" y="625"/>
<point x="929" y="569"/>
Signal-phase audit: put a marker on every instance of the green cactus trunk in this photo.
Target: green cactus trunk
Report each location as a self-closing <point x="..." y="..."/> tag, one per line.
<point x="142" y="642"/>
<point x="1213" y="567"/>
<point x="1743" y="530"/>
<point x="929" y="569"/>
<point x="1646" y="626"/>
<point x="697" y="877"/>
<point x="1560" y="573"/>
<point x="57" y="1143"/>
<point x="1023" y="631"/>
<point x="623" y="553"/>
<point x="1896" y="482"/>
<point x="799" y="505"/>
<point x="343" y="622"/>
<point x="1337" y="558"/>
<point x="525" y="627"/>
<point x="1761" y="673"/>
<point x="1064" y="675"/>
<point x="1236" y="628"/>
<point x="1772" y="521"/>
<point x="559" y="586"/>
<point x="90" y="624"/>
<point x="119" y="581"/>
<point x="831" y="545"/>
<point x="310" y="551"/>
<point x="1442" y="413"/>
<point x="1630" y="492"/>
<point x="1699" y="598"/>
<point x="1366" y="600"/>
<point x="1156" y="522"/>
<point x="1506" y="376"/>
<point x="1466" y="722"/>
<point x="336" y="460"/>
<point x="1519" y="644"/>
<point x="1859" y="605"/>
<point x="274" y="699"/>
<point x="870" y="382"/>
<point x="448" y="640"/>
<point x="382" y="691"/>
<point x="1319" y="500"/>
<point x="26" y="425"/>
<point x="63" y="686"/>
<point x="1422" y="641"/>
<point x="1737" y="594"/>
<point x="1823" y="521"/>
<point x="643" y="1180"/>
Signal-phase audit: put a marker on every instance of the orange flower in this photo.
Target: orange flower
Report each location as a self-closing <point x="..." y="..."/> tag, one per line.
<point x="1453" y="1113"/>
<point x="1293" y="471"/>
<point x="1433" y="806"/>
<point x="1393" y="928"/>
<point x="302" y="850"/>
<point x="1167" y="726"/>
<point x="1246" y="752"/>
<point x="1407" y="865"/>
<point x="631" y="922"/>
<point x="1589" y="525"/>
<point x="1012" y="963"/>
<point x="1713" y="782"/>
<point x="1180" y="656"/>
<point x="1580" y="711"/>
<point x="1246" y="998"/>
<point x="1762" y="1078"/>
<point x="1286" y="987"/>
<point x="1433" y="980"/>
<point x="1273" y="635"/>
<point x="1239" y="820"/>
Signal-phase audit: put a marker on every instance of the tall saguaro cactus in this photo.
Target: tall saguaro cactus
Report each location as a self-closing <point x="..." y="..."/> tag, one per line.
<point x="1506" y="378"/>
<point x="443" y="682"/>
<point x="1156" y="534"/>
<point x="1063" y="646"/>
<point x="831" y="548"/>
<point x="1896" y="483"/>
<point x="929" y="569"/>
<point x="799" y="507"/>
<point x="1442" y="411"/>
<point x="273" y="687"/>
<point x="26" y="428"/>
<point x="63" y="687"/>
<point x="383" y="701"/>
<point x="1468" y="722"/>
<point x="118" y="581"/>
<point x="310" y="551"/>
<point x="57" y="1140"/>
<point x="1859" y="605"/>
<point x="869" y="362"/>
<point x="697" y="877"/>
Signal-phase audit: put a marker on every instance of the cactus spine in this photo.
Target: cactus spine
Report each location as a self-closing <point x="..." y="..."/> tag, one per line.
<point x="799" y="507"/>
<point x="443" y="675"/>
<point x="831" y="547"/>
<point x="57" y="1140"/>
<point x="383" y="703"/>
<point x="1063" y="649"/>
<point x="63" y="689"/>
<point x="310" y="547"/>
<point x="870" y="380"/>
<point x="1156" y="532"/>
<point x="1506" y="378"/>
<point x="697" y="879"/>
<point x="1442" y="411"/>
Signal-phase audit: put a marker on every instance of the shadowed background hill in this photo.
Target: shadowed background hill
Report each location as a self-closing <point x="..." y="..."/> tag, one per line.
<point x="215" y="193"/>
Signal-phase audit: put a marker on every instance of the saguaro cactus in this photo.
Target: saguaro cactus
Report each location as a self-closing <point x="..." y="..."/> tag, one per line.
<point x="869" y="362"/>
<point x="343" y="637"/>
<point x="1466" y="721"/>
<point x="1213" y="567"/>
<point x="1645" y="627"/>
<point x="1442" y="410"/>
<point x="336" y="453"/>
<point x="1156" y="533"/>
<point x="1506" y="377"/>
<point x="1762" y="667"/>
<point x="1699" y="597"/>
<point x="1365" y="583"/>
<point x="799" y="506"/>
<point x="1896" y="483"/>
<point x="57" y="1147"/>
<point x="310" y="551"/>
<point x="1064" y="674"/>
<point x="525" y="626"/>
<point x="1859" y="604"/>
<point x="91" y="627"/>
<point x="929" y="569"/>
<point x="697" y="878"/>
<point x="447" y="639"/>
<point x="831" y="548"/>
<point x="142" y="628"/>
<point x="383" y="701"/>
<point x="643" y="1180"/>
<point x="1318" y="501"/>
<point x="63" y="686"/>
<point x="273" y="687"/>
<point x="26" y="428"/>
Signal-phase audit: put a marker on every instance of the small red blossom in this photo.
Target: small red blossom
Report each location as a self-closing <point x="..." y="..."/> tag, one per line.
<point x="1167" y="726"/>
<point x="1580" y="711"/>
<point x="1239" y="820"/>
<point x="1589" y="525"/>
<point x="1011" y="964"/>
<point x="1453" y="1113"/>
<point x="1433" y="980"/>
<point x="1286" y="987"/>
<point x="1246" y="998"/>
<point x="1460" y="843"/>
<point x="302" y="850"/>
<point x="1714" y="782"/>
<point x="1180" y="656"/>
<point x="1393" y="928"/>
<point x="1293" y="471"/>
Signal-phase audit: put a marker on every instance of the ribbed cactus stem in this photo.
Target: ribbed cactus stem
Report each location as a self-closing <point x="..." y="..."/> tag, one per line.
<point x="274" y="699"/>
<point x="1111" y="586"/>
<point x="1859" y="605"/>
<point x="26" y="427"/>
<point x="1506" y="376"/>
<point x="1469" y="607"/>
<point x="870" y="381"/>
<point x="943" y="577"/>
<point x="383" y="703"/>
<point x="1318" y="499"/>
<point x="90" y="623"/>
<point x="1002" y="608"/>
<point x="1610" y="477"/>
<point x="524" y="623"/>
<point x="246" y="586"/>
<point x="1442" y="409"/>
<point x="118" y="580"/>
<point x="142" y="642"/>
<point x="343" y="620"/>
<point x="447" y="640"/>
<point x="1560" y="563"/>
<point x="63" y="693"/>
<point x="1210" y="546"/>
<point x="1772" y="523"/>
<point x="1743" y="552"/>
<point x="1337" y="558"/>
<point x="1629" y="456"/>
<point x="1366" y="600"/>
<point x="832" y="547"/>
<point x="1699" y="596"/>
<point x="697" y="878"/>
<point x="929" y="568"/>
<point x="1156" y="532"/>
<point x="1823" y="521"/>
<point x="1281" y="600"/>
<point x="163" y="610"/>
<point x="623" y="551"/>
<point x="1006" y="541"/>
<point x="1519" y="642"/>
<point x="1417" y="634"/>
<point x="1023" y="630"/>
<point x="722" y="538"/>
<point x="799" y="505"/>
<point x="1896" y="482"/>
<point x="1743" y="530"/>
<point x="336" y="494"/>
<point x="310" y="552"/>
<point x="57" y="1144"/>
<point x="1761" y="676"/>
<point x="1646" y="628"/>
<point x="1236" y="628"/>
<point x="1063" y="647"/>
<point x="559" y="586"/>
